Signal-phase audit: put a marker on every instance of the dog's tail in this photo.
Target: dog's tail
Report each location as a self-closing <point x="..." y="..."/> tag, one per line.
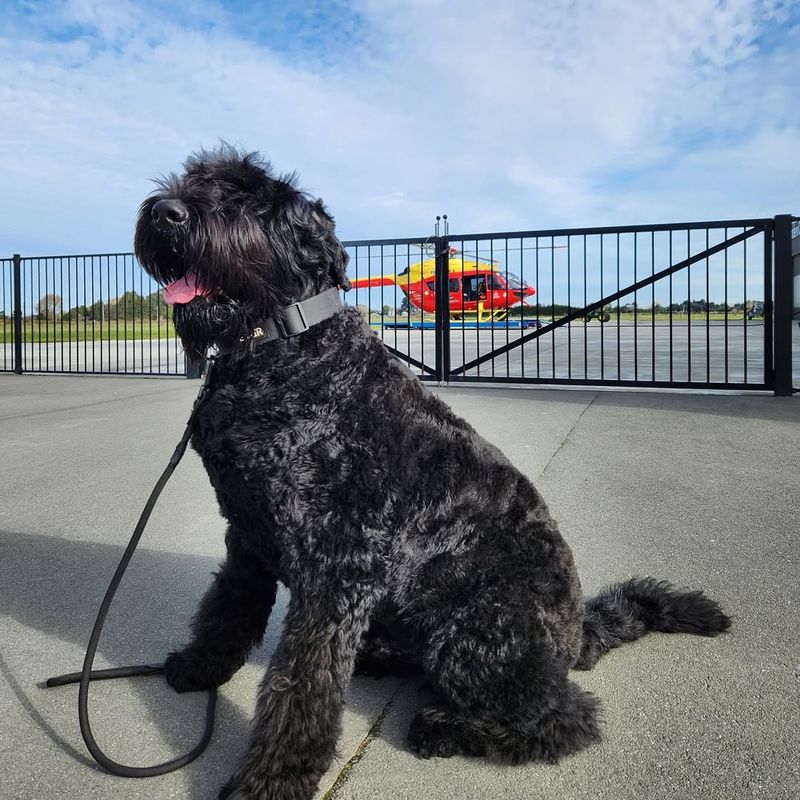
<point x="627" y="611"/>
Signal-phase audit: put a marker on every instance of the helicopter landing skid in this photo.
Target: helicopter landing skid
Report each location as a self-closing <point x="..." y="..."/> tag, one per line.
<point x="459" y="324"/>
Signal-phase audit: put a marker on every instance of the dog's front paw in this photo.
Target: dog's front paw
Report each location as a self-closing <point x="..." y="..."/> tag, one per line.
<point x="433" y="733"/>
<point x="190" y="671"/>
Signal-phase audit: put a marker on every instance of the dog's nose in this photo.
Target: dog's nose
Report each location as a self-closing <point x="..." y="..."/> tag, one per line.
<point x="167" y="213"/>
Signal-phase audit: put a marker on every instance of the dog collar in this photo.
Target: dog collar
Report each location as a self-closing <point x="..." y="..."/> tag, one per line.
<point x="292" y="320"/>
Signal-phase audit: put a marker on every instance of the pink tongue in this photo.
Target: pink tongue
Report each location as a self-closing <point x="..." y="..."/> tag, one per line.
<point x="183" y="290"/>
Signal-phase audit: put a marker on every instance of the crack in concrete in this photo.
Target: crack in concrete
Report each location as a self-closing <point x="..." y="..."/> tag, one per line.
<point x="372" y="734"/>
<point x="569" y="433"/>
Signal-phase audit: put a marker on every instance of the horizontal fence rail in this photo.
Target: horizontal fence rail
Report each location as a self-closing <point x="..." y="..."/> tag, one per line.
<point x="698" y="305"/>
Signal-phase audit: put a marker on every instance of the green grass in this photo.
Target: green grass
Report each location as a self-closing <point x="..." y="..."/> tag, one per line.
<point x="42" y="332"/>
<point x="48" y="332"/>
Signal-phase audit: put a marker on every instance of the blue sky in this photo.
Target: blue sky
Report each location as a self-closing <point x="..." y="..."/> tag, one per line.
<point x="506" y="116"/>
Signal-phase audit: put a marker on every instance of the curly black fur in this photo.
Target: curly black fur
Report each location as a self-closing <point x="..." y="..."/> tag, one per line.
<point x="398" y="530"/>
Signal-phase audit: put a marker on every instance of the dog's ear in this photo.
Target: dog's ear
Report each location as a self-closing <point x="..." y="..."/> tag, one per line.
<point x="335" y="254"/>
<point x="302" y="245"/>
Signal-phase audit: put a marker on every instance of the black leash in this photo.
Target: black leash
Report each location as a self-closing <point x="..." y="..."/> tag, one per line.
<point x="86" y="675"/>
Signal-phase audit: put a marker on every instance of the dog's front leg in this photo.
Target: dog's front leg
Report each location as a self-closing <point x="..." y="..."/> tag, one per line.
<point x="230" y="621"/>
<point x="299" y="706"/>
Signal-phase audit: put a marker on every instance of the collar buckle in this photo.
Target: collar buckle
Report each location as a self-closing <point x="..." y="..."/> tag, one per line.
<point x="291" y="321"/>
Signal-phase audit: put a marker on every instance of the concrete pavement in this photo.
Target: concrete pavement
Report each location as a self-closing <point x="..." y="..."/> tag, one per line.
<point x="701" y="490"/>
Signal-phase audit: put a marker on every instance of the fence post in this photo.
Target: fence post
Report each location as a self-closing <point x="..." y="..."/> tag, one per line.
<point x="784" y="288"/>
<point x="442" y="284"/>
<point x="192" y="367"/>
<point x="17" y="278"/>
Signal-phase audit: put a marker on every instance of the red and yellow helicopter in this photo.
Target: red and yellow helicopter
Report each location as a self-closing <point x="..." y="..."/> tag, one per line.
<point x="479" y="291"/>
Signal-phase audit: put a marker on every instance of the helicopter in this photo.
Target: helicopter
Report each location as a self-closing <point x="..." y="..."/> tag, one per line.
<point x="479" y="291"/>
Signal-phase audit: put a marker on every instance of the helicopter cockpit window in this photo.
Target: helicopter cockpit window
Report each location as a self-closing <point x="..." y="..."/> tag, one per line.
<point x="455" y="285"/>
<point x="474" y="287"/>
<point x="494" y="282"/>
<point x="514" y="282"/>
<point x="431" y="285"/>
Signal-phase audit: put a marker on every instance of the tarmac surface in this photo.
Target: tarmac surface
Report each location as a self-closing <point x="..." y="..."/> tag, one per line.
<point x="696" y="353"/>
<point x="701" y="490"/>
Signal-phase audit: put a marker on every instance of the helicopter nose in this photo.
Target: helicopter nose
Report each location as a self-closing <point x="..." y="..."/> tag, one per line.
<point x="167" y="214"/>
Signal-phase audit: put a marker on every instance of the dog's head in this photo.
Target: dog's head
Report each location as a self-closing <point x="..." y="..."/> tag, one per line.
<point x="234" y="243"/>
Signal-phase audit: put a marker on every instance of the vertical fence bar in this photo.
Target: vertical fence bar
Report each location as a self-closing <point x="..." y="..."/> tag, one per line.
<point x="29" y="274"/>
<point x="708" y="317"/>
<point x="538" y="296"/>
<point x="442" y="324"/>
<point x="670" y="307"/>
<point x="602" y="327"/>
<point x="689" y="307"/>
<point x="553" y="295"/>
<point x="3" y="321"/>
<point x="635" y="307"/>
<point x="461" y="308"/>
<point x="653" y="306"/>
<point x="744" y="318"/>
<point x="769" y="309"/>
<point x="508" y="310"/>
<point x="619" y="347"/>
<point x="586" y="324"/>
<point x="61" y="320"/>
<point x="726" y="305"/>
<point x="478" y="305"/>
<point x="569" y="306"/>
<point x="18" y="366"/>
<point x="489" y="296"/>
<point x="116" y="307"/>
<point x="783" y="305"/>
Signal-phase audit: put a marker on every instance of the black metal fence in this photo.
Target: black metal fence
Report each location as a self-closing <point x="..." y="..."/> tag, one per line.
<point x="704" y="305"/>
<point x="97" y="314"/>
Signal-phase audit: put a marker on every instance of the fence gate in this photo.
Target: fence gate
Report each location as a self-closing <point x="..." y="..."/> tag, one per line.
<point x="668" y="306"/>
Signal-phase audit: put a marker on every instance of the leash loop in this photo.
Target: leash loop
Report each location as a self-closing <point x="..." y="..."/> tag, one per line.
<point x="87" y="674"/>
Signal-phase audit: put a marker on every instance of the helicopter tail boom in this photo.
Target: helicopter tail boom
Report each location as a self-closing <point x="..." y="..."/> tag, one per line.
<point x="373" y="281"/>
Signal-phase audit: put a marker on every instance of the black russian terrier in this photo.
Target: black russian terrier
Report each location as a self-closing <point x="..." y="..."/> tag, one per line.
<point x="405" y="539"/>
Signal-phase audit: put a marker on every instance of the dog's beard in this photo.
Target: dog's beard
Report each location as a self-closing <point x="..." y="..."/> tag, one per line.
<point x="207" y="321"/>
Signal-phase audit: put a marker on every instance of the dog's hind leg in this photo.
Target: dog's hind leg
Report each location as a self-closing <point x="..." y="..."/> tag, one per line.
<point x="536" y="729"/>
<point x="230" y="621"/>
<point x="500" y="670"/>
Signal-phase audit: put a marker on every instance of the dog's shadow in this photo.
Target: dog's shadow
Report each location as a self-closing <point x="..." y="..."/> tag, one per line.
<point x="55" y="585"/>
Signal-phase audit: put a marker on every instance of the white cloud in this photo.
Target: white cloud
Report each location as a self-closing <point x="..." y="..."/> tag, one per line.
<point x="508" y="115"/>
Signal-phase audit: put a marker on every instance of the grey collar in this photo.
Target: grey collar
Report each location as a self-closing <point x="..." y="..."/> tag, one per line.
<point x="292" y="320"/>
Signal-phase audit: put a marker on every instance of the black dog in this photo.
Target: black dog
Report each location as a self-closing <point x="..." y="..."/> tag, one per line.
<point x="399" y="531"/>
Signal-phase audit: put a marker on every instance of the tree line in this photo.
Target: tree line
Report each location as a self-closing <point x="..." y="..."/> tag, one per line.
<point x="134" y="306"/>
<point x="693" y="306"/>
<point x="129" y="306"/>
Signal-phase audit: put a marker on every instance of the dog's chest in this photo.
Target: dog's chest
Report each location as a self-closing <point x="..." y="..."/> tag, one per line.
<point x="264" y="451"/>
